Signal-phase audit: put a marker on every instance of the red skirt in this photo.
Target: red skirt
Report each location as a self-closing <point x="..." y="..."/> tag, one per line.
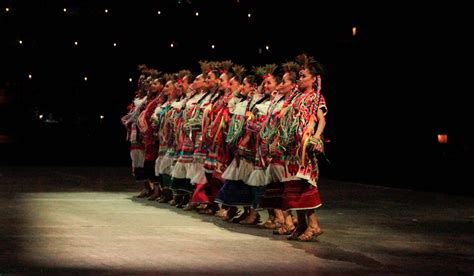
<point x="300" y="195"/>
<point x="207" y="193"/>
<point x="273" y="196"/>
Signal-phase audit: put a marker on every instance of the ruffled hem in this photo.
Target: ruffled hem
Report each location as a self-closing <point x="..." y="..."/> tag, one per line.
<point x="199" y="176"/>
<point x="240" y="172"/>
<point x="166" y="165"/>
<point x="189" y="170"/>
<point x="246" y="169"/>
<point x="232" y="171"/>
<point x="138" y="158"/>
<point x="157" y="165"/>
<point x="179" y="170"/>
<point x="257" y="178"/>
<point x="275" y="173"/>
<point x="278" y="173"/>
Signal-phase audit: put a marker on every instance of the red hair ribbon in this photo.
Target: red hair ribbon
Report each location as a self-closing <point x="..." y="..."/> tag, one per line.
<point x="179" y="81"/>
<point x="222" y="71"/>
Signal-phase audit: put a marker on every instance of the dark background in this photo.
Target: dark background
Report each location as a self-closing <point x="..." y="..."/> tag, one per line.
<point x="391" y="89"/>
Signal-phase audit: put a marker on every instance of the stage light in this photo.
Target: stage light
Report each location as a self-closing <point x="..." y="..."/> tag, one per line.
<point x="197" y="13"/>
<point x="64" y="10"/>
<point x="75" y="43"/>
<point x="30" y="76"/>
<point x="354" y="30"/>
<point x="101" y="117"/>
<point x="7" y="9"/>
<point x="212" y="46"/>
<point x="130" y="79"/>
<point x="20" y="41"/>
<point x="85" y="78"/>
<point x="172" y="45"/>
<point x="249" y="15"/>
<point x="159" y="12"/>
<point x="267" y="47"/>
<point x="115" y="44"/>
<point x="106" y="10"/>
<point x="442" y="138"/>
<point x="40" y="116"/>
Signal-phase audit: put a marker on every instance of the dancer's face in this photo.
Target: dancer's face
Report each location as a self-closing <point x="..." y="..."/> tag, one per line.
<point x="286" y="85"/>
<point x="169" y="89"/>
<point x="156" y="86"/>
<point x="178" y="90"/>
<point x="235" y="85"/>
<point x="211" y="80"/>
<point x="199" y="82"/>
<point x="306" y="79"/>
<point x="184" y="85"/>
<point x="224" y="82"/>
<point x="246" y="87"/>
<point x="270" y="85"/>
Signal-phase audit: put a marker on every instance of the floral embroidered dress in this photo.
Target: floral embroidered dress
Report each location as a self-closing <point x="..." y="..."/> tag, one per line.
<point x="162" y="127"/>
<point x="130" y="121"/>
<point x="146" y="128"/>
<point x="186" y="138"/>
<point x="255" y="143"/>
<point x="194" y="123"/>
<point x="213" y="115"/>
<point x="298" y="124"/>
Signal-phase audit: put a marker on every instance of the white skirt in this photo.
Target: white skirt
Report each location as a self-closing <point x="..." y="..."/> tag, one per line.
<point x="138" y="158"/>
<point x="241" y="171"/>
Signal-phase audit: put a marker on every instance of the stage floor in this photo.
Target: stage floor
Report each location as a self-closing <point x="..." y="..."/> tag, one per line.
<point x="86" y="220"/>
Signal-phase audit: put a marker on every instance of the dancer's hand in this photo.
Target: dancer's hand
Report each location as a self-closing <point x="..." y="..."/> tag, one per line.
<point x="318" y="146"/>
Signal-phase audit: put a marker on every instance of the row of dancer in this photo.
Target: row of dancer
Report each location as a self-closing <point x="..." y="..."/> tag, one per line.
<point x="230" y="144"/>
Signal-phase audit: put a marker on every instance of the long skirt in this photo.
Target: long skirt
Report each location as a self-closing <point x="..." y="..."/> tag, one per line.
<point x="273" y="196"/>
<point x="235" y="193"/>
<point x="181" y="186"/>
<point x="165" y="181"/>
<point x="300" y="195"/>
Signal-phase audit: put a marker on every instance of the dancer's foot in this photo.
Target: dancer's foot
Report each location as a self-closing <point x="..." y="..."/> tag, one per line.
<point x="252" y="219"/>
<point x="310" y="234"/>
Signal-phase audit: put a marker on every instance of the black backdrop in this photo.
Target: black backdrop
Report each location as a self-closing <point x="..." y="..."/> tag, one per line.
<point x="391" y="88"/>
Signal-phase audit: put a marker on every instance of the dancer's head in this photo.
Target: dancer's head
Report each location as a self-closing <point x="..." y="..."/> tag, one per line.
<point x="248" y="85"/>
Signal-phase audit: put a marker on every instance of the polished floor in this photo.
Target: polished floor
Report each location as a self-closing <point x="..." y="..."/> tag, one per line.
<point x="85" y="220"/>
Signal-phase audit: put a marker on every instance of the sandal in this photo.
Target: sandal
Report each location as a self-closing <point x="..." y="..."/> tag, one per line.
<point x="231" y="213"/>
<point x="239" y="218"/>
<point x="221" y="213"/>
<point x="283" y="230"/>
<point x="201" y="206"/>
<point x="295" y="234"/>
<point x="208" y="211"/>
<point x="251" y="220"/>
<point x="163" y="199"/>
<point x="309" y="235"/>
<point x="269" y="224"/>
<point x="144" y="193"/>
<point x="184" y="200"/>
<point x="189" y="207"/>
